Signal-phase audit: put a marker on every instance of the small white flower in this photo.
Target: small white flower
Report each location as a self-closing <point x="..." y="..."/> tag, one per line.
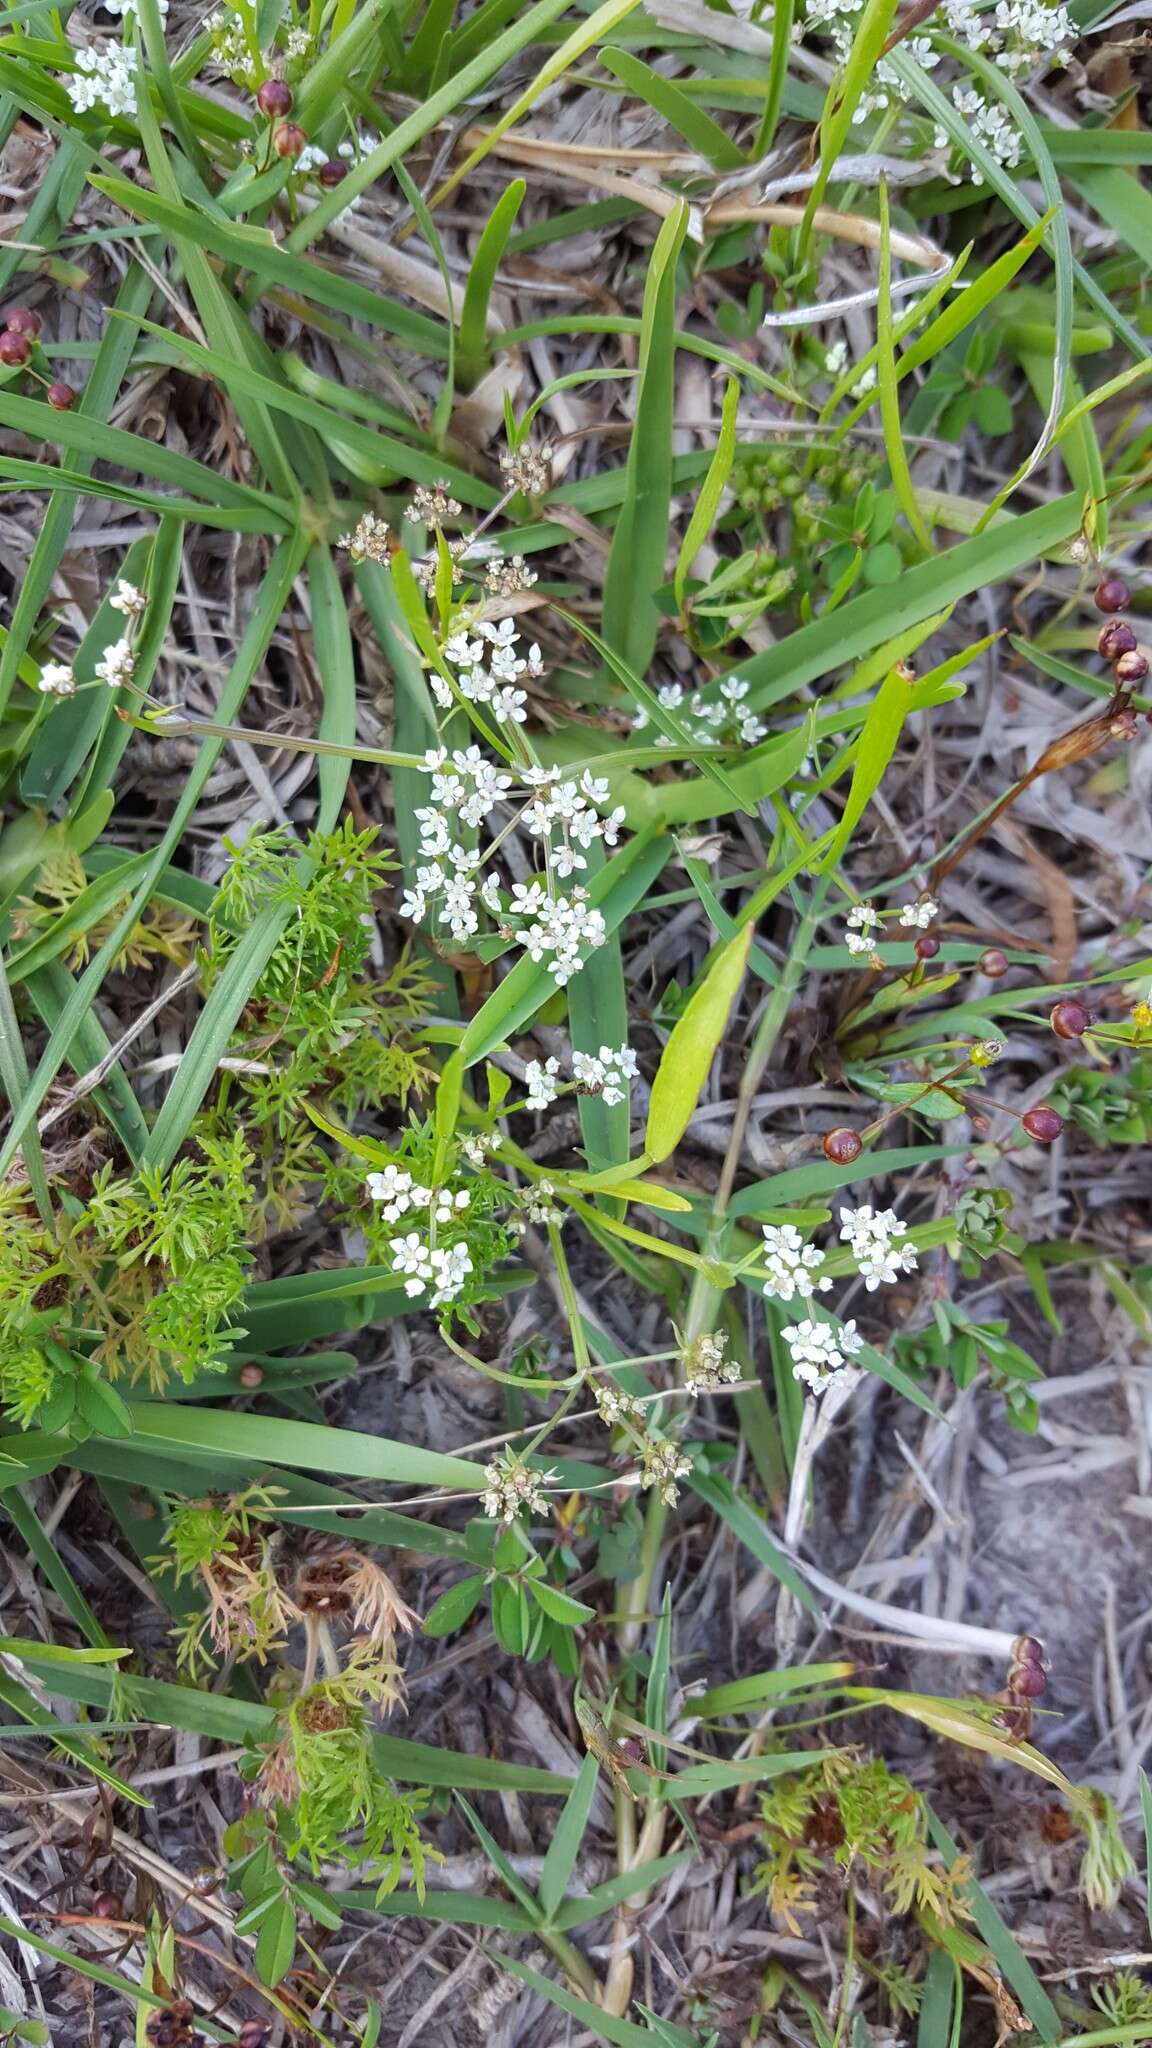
<point x="513" y="1486"/>
<point x="542" y="1083"/>
<point x="57" y="680"/>
<point x="791" y="1265"/>
<point x="862" y="922"/>
<point x="875" y="1239"/>
<point x="106" y="77"/>
<point x="918" y="916"/>
<point x="127" y="599"/>
<point x="820" y="1351"/>
<point x="707" y="1366"/>
<point x="662" y="1463"/>
<point x="118" y="665"/>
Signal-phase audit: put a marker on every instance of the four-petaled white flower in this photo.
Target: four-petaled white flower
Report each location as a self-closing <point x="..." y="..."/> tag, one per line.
<point x="875" y="1238"/>
<point x="791" y="1266"/>
<point x="57" y="679"/>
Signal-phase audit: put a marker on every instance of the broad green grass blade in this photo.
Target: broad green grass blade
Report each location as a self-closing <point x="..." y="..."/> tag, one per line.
<point x="843" y="99"/>
<point x="707" y="504"/>
<point x="473" y="352"/>
<point x="687" y="1058"/>
<point x="306" y="1444"/>
<point x="563" y="1849"/>
<point x="699" y="130"/>
<point x="635" y="569"/>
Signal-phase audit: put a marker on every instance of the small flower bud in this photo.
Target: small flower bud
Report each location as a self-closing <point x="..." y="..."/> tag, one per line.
<point x="1070" y="1020"/>
<point x="993" y="963"/>
<point x="61" y="396"/>
<point x="108" y="1906"/>
<point x="288" y="139"/>
<point x="274" y="99"/>
<point x="251" y="1375"/>
<point x="335" y="171"/>
<point x="1112" y="595"/>
<point x="1115" y="638"/>
<point x="1042" y="1123"/>
<point x="15" y="348"/>
<point x="842" y="1146"/>
<point x="1029" y="1681"/>
<point x="927" y="947"/>
<point x="1131" y="667"/>
<point x="22" y="320"/>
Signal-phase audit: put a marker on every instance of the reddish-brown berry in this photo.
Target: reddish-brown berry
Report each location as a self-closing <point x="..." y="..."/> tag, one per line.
<point x="993" y="963"/>
<point x="1029" y="1681"/>
<point x="335" y="171"/>
<point x="927" y="946"/>
<point x="274" y="99"/>
<point x="1042" y="1123"/>
<point x="253" y="2034"/>
<point x="288" y="139"/>
<point x="1112" y="595"/>
<point x="1115" y="638"/>
<point x="1070" y="1020"/>
<point x="108" y="1906"/>
<point x="61" y="396"/>
<point x="251" y="1375"/>
<point x="1028" y="1650"/>
<point x="22" y="320"/>
<point x="15" y="348"/>
<point x="1131" y="667"/>
<point x="842" y="1146"/>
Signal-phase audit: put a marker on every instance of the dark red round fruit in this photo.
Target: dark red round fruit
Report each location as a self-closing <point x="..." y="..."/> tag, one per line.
<point x="1112" y="594"/>
<point x="1131" y="667"/>
<point x="15" y="348"/>
<point x="22" y="320"/>
<point x="61" y="397"/>
<point x="1115" y="638"/>
<point x="993" y="963"/>
<point x="1070" y="1020"/>
<point x="335" y="171"/>
<point x="1029" y="1681"/>
<point x="251" y="1375"/>
<point x="1028" y="1650"/>
<point x="288" y="139"/>
<point x="842" y="1146"/>
<point x="927" y="946"/>
<point x="1042" y="1123"/>
<point x="108" y="1906"/>
<point x="274" y="99"/>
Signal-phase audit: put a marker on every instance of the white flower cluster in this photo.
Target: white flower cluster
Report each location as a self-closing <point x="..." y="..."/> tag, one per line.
<point x="615" y="1407"/>
<point x="117" y="665"/>
<point x="713" y="720"/>
<point x="791" y="1265"/>
<point x="106" y="77"/>
<point x="605" y="1073"/>
<point x="864" y="924"/>
<point x="1019" y="36"/>
<point x="707" y="1365"/>
<point x="465" y="789"/>
<point x="875" y="1238"/>
<point x="488" y="667"/>
<point x="820" y="1350"/>
<point x="512" y="1486"/>
<point x="919" y="915"/>
<point x="424" y="1263"/>
<point x="662" y="1463"/>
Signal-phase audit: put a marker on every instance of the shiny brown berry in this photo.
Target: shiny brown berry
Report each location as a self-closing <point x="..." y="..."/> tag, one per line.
<point x="993" y="963"/>
<point x="927" y="946"/>
<point x="1028" y="1650"/>
<point x="842" y="1146"/>
<point x="1115" y="638"/>
<point x="61" y="396"/>
<point x="1131" y="667"/>
<point x="253" y="2034"/>
<point x="1042" y="1123"/>
<point x="15" y="348"/>
<point x="251" y="1375"/>
<point x="334" y="172"/>
<point x="22" y="320"/>
<point x="108" y="1906"/>
<point x="288" y="139"/>
<point x="274" y="99"/>
<point x="1112" y="595"/>
<point x="1029" y="1681"/>
<point x="1070" y="1020"/>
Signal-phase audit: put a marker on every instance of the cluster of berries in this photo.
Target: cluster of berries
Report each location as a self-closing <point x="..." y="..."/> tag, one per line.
<point x="274" y="99"/>
<point x="18" y="346"/>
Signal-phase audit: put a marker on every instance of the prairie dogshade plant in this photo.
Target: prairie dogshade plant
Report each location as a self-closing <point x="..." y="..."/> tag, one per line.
<point x="575" y="1022"/>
